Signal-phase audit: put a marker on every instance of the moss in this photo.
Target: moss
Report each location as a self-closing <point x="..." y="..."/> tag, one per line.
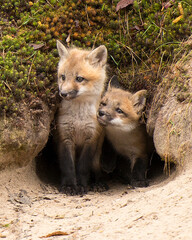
<point x="141" y="41"/>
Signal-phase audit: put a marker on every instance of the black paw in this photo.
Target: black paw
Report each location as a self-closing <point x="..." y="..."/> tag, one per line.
<point x="139" y="183"/>
<point x="68" y="190"/>
<point x="81" y="190"/>
<point x="99" y="187"/>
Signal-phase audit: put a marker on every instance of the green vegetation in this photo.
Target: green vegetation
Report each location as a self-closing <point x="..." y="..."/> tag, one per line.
<point x="141" y="40"/>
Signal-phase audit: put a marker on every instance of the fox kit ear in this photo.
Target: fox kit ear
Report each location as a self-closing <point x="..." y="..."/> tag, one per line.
<point x="139" y="100"/>
<point x="98" y="56"/>
<point x="63" y="52"/>
<point x="114" y="82"/>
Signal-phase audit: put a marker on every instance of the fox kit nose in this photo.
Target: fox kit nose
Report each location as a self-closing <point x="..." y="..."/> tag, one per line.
<point x="63" y="94"/>
<point x="101" y="113"/>
<point x="103" y="117"/>
<point x="69" y="95"/>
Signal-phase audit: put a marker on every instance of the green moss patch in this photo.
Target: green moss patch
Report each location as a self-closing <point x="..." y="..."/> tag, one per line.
<point x="141" y="39"/>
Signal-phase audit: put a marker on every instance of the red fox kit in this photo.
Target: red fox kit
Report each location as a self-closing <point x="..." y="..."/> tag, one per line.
<point x="120" y="112"/>
<point x="81" y="79"/>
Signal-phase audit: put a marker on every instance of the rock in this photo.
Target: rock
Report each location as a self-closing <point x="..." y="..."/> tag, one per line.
<point x="23" y="137"/>
<point x="170" y="117"/>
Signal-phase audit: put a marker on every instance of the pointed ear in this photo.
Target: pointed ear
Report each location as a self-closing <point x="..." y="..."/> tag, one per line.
<point x="113" y="82"/>
<point x="63" y="52"/>
<point x="139" y="100"/>
<point x="98" y="56"/>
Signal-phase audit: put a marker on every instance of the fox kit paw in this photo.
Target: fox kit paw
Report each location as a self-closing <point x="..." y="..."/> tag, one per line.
<point x="139" y="183"/>
<point x="99" y="187"/>
<point x="81" y="190"/>
<point x="73" y="190"/>
<point x="68" y="190"/>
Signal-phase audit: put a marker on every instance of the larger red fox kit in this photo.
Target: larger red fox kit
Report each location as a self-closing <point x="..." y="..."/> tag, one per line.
<point x="119" y="113"/>
<point x="81" y="79"/>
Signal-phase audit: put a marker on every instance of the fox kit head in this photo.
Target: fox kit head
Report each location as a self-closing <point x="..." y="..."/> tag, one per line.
<point x="81" y="72"/>
<point x="121" y="109"/>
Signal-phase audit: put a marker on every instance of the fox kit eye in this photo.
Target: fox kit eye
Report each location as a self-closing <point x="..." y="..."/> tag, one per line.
<point x="63" y="77"/>
<point x="80" y="79"/>
<point x="103" y="104"/>
<point x="119" y="110"/>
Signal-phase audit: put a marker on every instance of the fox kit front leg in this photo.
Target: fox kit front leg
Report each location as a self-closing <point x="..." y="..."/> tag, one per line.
<point x="139" y="171"/>
<point x="74" y="179"/>
<point x="67" y="168"/>
<point x="84" y="167"/>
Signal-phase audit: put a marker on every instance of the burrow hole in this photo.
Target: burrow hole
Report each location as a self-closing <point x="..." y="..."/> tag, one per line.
<point x="47" y="168"/>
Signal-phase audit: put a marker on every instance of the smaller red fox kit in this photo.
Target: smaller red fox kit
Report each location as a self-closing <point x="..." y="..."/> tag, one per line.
<point x="81" y="79"/>
<point x="120" y="112"/>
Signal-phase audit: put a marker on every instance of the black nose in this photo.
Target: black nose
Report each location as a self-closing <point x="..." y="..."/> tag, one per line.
<point x="70" y="94"/>
<point x="63" y="94"/>
<point x="101" y="113"/>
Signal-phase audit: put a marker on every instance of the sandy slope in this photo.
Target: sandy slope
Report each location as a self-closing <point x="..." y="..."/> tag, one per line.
<point x="30" y="210"/>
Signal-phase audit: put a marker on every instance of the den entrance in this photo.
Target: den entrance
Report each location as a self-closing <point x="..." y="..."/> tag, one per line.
<point x="47" y="169"/>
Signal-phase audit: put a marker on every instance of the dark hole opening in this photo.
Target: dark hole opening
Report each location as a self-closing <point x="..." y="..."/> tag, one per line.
<point x="47" y="168"/>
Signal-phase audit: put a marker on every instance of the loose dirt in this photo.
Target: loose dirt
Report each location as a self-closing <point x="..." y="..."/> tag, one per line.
<point x="33" y="210"/>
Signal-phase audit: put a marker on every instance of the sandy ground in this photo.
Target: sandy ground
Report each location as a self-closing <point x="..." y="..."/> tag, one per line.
<point x="32" y="210"/>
